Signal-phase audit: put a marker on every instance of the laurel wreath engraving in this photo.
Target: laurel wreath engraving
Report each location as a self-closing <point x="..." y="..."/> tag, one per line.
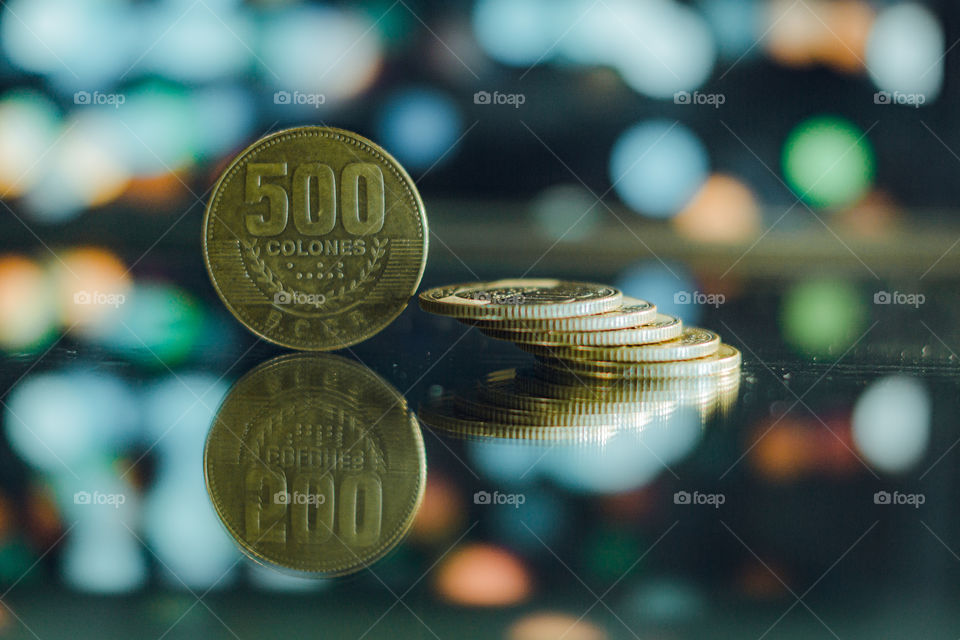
<point x="272" y="283"/>
<point x="261" y="272"/>
<point x="378" y="249"/>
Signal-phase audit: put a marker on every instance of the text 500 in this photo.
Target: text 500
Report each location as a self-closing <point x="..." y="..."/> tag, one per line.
<point x="321" y="221"/>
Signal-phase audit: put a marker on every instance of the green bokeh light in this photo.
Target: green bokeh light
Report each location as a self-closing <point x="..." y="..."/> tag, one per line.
<point x="829" y="162"/>
<point x="823" y="316"/>
<point x="158" y="325"/>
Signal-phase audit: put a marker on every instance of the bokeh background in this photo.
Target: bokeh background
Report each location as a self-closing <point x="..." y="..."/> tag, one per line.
<point x="782" y="171"/>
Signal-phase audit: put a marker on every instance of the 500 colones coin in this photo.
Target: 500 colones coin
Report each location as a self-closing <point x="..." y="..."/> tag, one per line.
<point x="315" y="238"/>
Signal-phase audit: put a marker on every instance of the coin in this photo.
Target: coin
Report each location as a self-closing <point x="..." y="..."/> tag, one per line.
<point x="633" y="312"/>
<point x="315" y="464"/>
<point x="662" y="328"/>
<point x="315" y="238"/>
<point x="520" y="299"/>
<point x="726" y="359"/>
<point x="693" y="343"/>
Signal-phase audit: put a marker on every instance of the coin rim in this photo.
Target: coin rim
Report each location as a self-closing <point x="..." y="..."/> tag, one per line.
<point x="595" y="322"/>
<point x="644" y="334"/>
<point x="519" y="311"/>
<point x="412" y="186"/>
<point x="715" y="364"/>
<point x="661" y="351"/>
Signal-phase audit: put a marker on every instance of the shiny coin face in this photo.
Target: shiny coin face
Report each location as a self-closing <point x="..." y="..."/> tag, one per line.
<point x="315" y="464"/>
<point x="520" y="299"/>
<point x="315" y="238"/>
<point x="662" y="328"/>
<point x="633" y="312"/>
<point x="693" y="343"/>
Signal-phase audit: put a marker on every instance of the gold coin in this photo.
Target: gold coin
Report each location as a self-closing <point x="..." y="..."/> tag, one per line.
<point x="315" y="464"/>
<point x="315" y="238"/>
<point x="693" y="343"/>
<point x="662" y="328"/>
<point x="633" y="312"/>
<point x="725" y="360"/>
<point x="520" y="299"/>
<point x="441" y="415"/>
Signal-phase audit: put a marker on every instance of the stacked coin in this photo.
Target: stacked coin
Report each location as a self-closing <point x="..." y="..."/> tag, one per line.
<point x="587" y="330"/>
<point x="605" y="363"/>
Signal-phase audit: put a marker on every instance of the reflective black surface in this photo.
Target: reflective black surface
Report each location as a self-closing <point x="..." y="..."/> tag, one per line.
<point x="821" y="505"/>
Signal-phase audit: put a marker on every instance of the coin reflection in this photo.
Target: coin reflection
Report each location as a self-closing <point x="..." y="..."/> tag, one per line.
<point x="589" y="435"/>
<point x="315" y="464"/>
<point x="535" y="404"/>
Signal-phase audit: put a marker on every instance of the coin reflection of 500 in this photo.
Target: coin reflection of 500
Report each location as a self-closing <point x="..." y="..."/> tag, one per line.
<point x="353" y="511"/>
<point x="315" y="464"/>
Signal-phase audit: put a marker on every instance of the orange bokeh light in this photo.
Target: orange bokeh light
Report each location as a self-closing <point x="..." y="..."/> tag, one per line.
<point x="159" y="190"/>
<point x="550" y="626"/>
<point x="91" y="283"/>
<point x="724" y="211"/>
<point x="441" y="512"/>
<point x="27" y="308"/>
<point x="831" y="33"/>
<point x="482" y="575"/>
<point x="783" y="451"/>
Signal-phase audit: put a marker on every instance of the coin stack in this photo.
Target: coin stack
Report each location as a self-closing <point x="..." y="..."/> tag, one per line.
<point x="604" y="361"/>
<point x="585" y="329"/>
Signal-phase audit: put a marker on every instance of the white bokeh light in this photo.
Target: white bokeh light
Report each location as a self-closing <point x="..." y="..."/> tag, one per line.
<point x="905" y="52"/>
<point x="669" y="48"/>
<point x="657" y="166"/>
<point x="891" y="423"/>
<point x="516" y="32"/>
<point x="320" y="49"/>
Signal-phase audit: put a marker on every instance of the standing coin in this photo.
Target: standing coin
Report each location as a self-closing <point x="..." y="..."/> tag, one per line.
<point x="520" y="299"/>
<point x="315" y="238"/>
<point x="315" y="464"/>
